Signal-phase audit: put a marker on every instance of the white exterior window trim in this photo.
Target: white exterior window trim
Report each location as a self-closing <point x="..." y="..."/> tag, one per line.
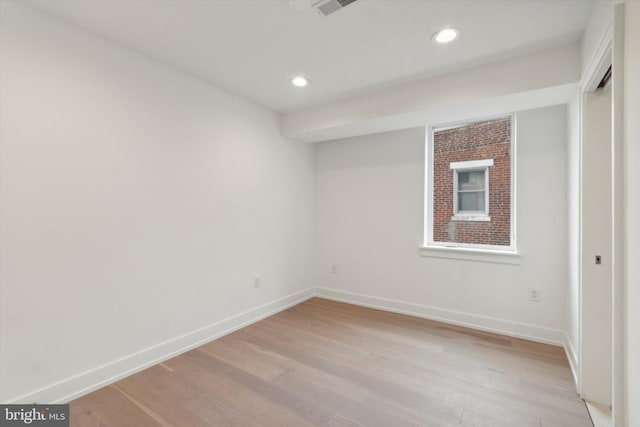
<point x="471" y="166"/>
<point x="465" y="251"/>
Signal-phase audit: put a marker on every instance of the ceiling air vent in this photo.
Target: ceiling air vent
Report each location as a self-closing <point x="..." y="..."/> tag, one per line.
<point x="327" y="7"/>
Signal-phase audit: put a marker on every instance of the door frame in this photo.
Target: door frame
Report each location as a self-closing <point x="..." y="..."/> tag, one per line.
<point x="610" y="51"/>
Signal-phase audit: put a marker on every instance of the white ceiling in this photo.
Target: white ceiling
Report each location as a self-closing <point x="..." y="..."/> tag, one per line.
<point x="254" y="47"/>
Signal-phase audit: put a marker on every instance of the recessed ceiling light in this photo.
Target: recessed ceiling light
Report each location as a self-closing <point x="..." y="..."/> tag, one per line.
<point x="299" y="81"/>
<point x="447" y="35"/>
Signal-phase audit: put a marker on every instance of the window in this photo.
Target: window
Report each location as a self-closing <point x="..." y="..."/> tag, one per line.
<point x="469" y="194"/>
<point x="471" y="190"/>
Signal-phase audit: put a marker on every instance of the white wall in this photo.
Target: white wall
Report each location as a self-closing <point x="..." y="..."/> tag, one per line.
<point x="599" y="25"/>
<point x="137" y="206"/>
<point x="369" y="223"/>
<point x="632" y="210"/>
<point x="573" y="233"/>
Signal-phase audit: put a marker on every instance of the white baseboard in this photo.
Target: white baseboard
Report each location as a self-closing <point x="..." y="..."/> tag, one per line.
<point x="484" y="323"/>
<point x="601" y="415"/>
<point x="86" y="382"/>
<point x="572" y="356"/>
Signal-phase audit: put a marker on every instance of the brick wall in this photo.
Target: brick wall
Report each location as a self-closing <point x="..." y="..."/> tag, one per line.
<point x="477" y="141"/>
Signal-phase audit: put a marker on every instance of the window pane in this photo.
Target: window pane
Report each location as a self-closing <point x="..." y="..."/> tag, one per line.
<point x="467" y="161"/>
<point x="472" y="180"/>
<point x="472" y="201"/>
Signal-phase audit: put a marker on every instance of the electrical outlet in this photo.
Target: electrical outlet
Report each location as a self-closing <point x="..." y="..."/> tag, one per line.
<point x="534" y="295"/>
<point x="334" y="269"/>
<point x="256" y="282"/>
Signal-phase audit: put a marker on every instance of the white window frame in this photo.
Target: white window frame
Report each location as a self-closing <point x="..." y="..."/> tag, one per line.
<point x="471" y="166"/>
<point x="467" y="251"/>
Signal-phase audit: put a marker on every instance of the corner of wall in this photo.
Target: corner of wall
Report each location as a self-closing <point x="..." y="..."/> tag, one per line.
<point x="86" y="382"/>
<point x="484" y="323"/>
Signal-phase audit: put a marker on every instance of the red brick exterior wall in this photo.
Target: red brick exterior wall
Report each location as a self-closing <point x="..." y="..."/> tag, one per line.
<point x="477" y="141"/>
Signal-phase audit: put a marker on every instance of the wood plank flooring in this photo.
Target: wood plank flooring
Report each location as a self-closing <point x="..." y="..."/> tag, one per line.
<point x="324" y="363"/>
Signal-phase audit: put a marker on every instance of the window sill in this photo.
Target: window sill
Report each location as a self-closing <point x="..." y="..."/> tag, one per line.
<point x="470" y="218"/>
<point x="471" y="254"/>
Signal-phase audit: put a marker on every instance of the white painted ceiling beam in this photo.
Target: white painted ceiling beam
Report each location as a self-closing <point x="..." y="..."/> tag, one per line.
<point x="545" y="78"/>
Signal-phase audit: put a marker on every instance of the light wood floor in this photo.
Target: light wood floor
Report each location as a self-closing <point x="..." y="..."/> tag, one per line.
<point x="324" y="363"/>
